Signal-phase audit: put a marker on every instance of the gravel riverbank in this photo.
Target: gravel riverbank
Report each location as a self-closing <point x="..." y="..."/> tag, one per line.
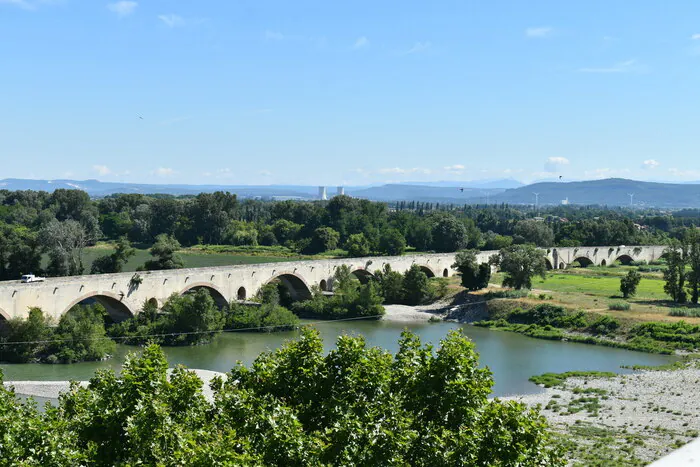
<point x="631" y="419"/>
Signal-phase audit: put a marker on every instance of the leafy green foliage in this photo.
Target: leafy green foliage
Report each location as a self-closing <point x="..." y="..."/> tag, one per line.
<point x="550" y="380"/>
<point x="115" y="262"/>
<point x="392" y="243"/>
<point x="357" y="245"/>
<point x="165" y="253"/>
<point x="675" y="273"/>
<point x="521" y="263"/>
<point x="351" y="299"/>
<point x="629" y="283"/>
<point x="184" y="320"/>
<point x="267" y="317"/>
<point x="79" y="336"/>
<point x="619" y="305"/>
<point x="475" y="275"/>
<point x="296" y="406"/>
<point x="448" y="233"/>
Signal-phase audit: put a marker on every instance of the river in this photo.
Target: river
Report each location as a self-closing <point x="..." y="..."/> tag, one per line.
<point x="512" y="358"/>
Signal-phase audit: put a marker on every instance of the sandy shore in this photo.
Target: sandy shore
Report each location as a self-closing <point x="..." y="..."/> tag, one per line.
<point x="638" y="416"/>
<point x="405" y="313"/>
<point x="52" y="389"/>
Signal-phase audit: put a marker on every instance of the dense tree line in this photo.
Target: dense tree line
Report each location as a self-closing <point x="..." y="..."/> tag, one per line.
<point x="298" y="405"/>
<point x="47" y="232"/>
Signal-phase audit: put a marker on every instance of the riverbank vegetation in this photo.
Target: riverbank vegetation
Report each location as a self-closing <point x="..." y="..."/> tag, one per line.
<point x="298" y="405"/>
<point x="79" y="336"/>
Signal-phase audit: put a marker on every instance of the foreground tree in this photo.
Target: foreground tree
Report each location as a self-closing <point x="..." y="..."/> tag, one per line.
<point x="520" y="263"/>
<point x="475" y="276"/>
<point x="693" y="241"/>
<point x="298" y="405"/>
<point x="675" y="274"/>
<point x="629" y="283"/>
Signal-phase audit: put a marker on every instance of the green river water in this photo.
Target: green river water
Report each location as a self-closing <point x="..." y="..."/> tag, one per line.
<point x="511" y="357"/>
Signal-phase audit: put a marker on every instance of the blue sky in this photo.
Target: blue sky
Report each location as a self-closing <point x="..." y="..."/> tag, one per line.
<point x="310" y="92"/>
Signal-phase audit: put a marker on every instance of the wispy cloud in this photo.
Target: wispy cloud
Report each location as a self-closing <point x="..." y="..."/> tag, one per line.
<point x="361" y="43"/>
<point x="629" y="66"/>
<point x="455" y="169"/>
<point x="171" y="20"/>
<point x="265" y="173"/>
<point x="695" y="37"/>
<point x="123" y="8"/>
<point x="650" y="164"/>
<point x="401" y="171"/>
<point x="163" y="172"/>
<point x="539" y="32"/>
<point x="553" y="164"/>
<point x="101" y="169"/>
<point x="419" y="47"/>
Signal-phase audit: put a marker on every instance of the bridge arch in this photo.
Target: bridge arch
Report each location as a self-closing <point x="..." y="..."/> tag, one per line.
<point x="241" y="294"/>
<point x="295" y="284"/>
<point x="323" y="285"/>
<point x="445" y="272"/>
<point x="428" y="272"/>
<point x="583" y="261"/>
<point x="603" y="263"/>
<point x="116" y="308"/>
<point x="213" y="290"/>
<point x="363" y="275"/>
<point x="548" y="263"/>
<point x="624" y="259"/>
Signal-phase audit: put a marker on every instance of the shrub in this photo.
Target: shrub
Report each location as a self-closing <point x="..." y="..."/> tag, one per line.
<point x="604" y="325"/>
<point x="506" y="293"/>
<point x="619" y="305"/>
<point x="685" y="312"/>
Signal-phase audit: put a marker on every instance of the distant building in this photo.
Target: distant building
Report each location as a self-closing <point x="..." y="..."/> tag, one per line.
<point x="322" y="193"/>
<point x="340" y="191"/>
<point x="564" y="202"/>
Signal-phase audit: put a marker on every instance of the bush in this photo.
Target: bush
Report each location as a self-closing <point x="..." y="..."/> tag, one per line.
<point x="685" y="312"/>
<point x="265" y="318"/>
<point x="546" y="314"/>
<point x="506" y="293"/>
<point x="604" y="325"/>
<point x="619" y="305"/>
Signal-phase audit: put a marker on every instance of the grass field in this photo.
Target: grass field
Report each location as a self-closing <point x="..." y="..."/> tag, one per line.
<point x="193" y="258"/>
<point x="594" y="288"/>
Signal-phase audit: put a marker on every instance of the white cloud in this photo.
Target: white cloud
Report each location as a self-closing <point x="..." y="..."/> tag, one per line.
<point x="171" y="20"/>
<point x="455" y="169"/>
<point x="361" y="43"/>
<point x="400" y="171"/>
<point x="539" y="32"/>
<point x="419" y="47"/>
<point x="101" y="169"/>
<point x="621" y="67"/>
<point x="606" y="173"/>
<point x="265" y="173"/>
<point x="650" y="164"/>
<point x="274" y="35"/>
<point x="163" y="172"/>
<point x="553" y="164"/>
<point x="123" y="8"/>
<point x="695" y="37"/>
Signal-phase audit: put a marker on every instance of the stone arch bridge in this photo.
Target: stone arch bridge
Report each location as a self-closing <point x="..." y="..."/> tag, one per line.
<point x="122" y="297"/>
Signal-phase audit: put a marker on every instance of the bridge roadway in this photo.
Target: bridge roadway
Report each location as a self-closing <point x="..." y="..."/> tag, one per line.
<point x="123" y="297"/>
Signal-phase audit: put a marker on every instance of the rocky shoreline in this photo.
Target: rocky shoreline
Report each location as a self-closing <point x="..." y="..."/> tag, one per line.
<point x="630" y="419"/>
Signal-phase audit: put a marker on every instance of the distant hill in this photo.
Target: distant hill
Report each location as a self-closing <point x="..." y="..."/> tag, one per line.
<point x="396" y="192"/>
<point x="610" y="192"/>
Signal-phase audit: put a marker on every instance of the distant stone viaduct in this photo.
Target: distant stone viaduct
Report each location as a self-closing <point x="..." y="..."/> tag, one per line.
<point x="124" y="297"/>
